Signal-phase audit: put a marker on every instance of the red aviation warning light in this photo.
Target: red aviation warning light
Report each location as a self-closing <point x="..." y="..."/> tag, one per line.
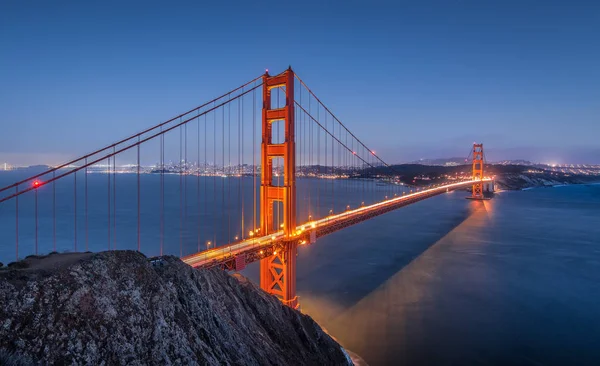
<point x="36" y="183"/>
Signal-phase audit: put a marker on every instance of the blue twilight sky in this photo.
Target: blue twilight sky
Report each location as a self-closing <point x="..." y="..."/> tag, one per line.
<point x="414" y="79"/>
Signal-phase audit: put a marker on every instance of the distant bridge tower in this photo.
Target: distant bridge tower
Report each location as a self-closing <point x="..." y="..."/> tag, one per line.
<point x="477" y="171"/>
<point x="278" y="270"/>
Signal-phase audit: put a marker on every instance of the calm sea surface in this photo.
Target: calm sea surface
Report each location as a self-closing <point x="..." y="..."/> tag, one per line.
<point x="447" y="281"/>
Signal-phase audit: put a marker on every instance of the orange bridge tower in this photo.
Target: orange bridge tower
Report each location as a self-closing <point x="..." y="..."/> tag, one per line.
<point x="278" y="270"/>
<point x="477" y="171"/>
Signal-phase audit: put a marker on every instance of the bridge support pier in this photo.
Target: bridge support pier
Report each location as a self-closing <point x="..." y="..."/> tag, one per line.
<point x="278" y="275"/>
<point x="489" y="187"/>
<point x="278" y="271"/>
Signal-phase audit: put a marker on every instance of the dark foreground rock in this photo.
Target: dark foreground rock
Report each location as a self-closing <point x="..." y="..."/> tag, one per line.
<point x="118" y="308"/>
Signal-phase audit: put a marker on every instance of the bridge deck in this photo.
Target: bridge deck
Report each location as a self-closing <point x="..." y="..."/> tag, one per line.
<point x="259" y="247"/>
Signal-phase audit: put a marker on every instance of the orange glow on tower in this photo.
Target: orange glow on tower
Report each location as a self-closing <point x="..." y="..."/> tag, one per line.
<point x="278" y="271"/>
<point x="477" y="170"/>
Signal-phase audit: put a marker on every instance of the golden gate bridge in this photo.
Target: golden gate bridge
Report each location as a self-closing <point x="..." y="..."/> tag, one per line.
<point x="242" y="143"/>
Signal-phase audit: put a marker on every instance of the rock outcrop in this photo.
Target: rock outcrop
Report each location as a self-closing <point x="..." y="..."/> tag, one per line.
<point x="118" y="307"/>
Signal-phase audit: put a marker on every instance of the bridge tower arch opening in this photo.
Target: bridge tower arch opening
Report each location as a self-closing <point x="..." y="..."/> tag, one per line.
<point x="278" y="270"/>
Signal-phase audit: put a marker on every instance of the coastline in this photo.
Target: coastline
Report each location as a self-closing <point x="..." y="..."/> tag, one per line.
<point x="519" y="182"/>
<point x="556" y="186"/>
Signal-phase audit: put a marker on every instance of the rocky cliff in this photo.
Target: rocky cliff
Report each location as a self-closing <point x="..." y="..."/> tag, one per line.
<point x="120" y="308"/>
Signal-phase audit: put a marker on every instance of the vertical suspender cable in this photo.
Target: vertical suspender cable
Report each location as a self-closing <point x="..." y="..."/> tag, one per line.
<point x="114" y="200"/>
<point x="198" y="183"/>
<point x="326" y="167"/>
<point x="299" y="127"/>
<point x="205" y="169"/>
<point x="36" y="221"/>
<point x="180" y="192"/>
<point x="87" y="236"/>
<point x="345" y="163"/>
<point x="311" y="156"/>
<point x="254" y="159"/>
<point x="162" y="191"/>
<point x="303" y="140"/>
<point x="215" y="175"/>
<point x="185" y="166"/>
<point x="318" y="212"/>
<point x="227" y="208"/>
<point x="307" y="161"/>
<point x="108" y="200"/>
<point x="333" y="164"/>
<point x="17" y="221"/>
<point x="242" y="163"/>
<point x="364" y="177"/>
<point x="139" y="221"/>
<point x="74" y="211"/>
<point x="54" y="209"/>
<point x="241" y="152"/>
<point x="223" y="165"/>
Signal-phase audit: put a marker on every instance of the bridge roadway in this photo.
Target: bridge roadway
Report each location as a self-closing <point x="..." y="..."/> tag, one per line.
<point x="236" y="255"/>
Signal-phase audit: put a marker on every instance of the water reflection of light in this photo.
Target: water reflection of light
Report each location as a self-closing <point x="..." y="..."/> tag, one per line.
<point x="489" y="207"/>
<point x="392" y="318"/>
